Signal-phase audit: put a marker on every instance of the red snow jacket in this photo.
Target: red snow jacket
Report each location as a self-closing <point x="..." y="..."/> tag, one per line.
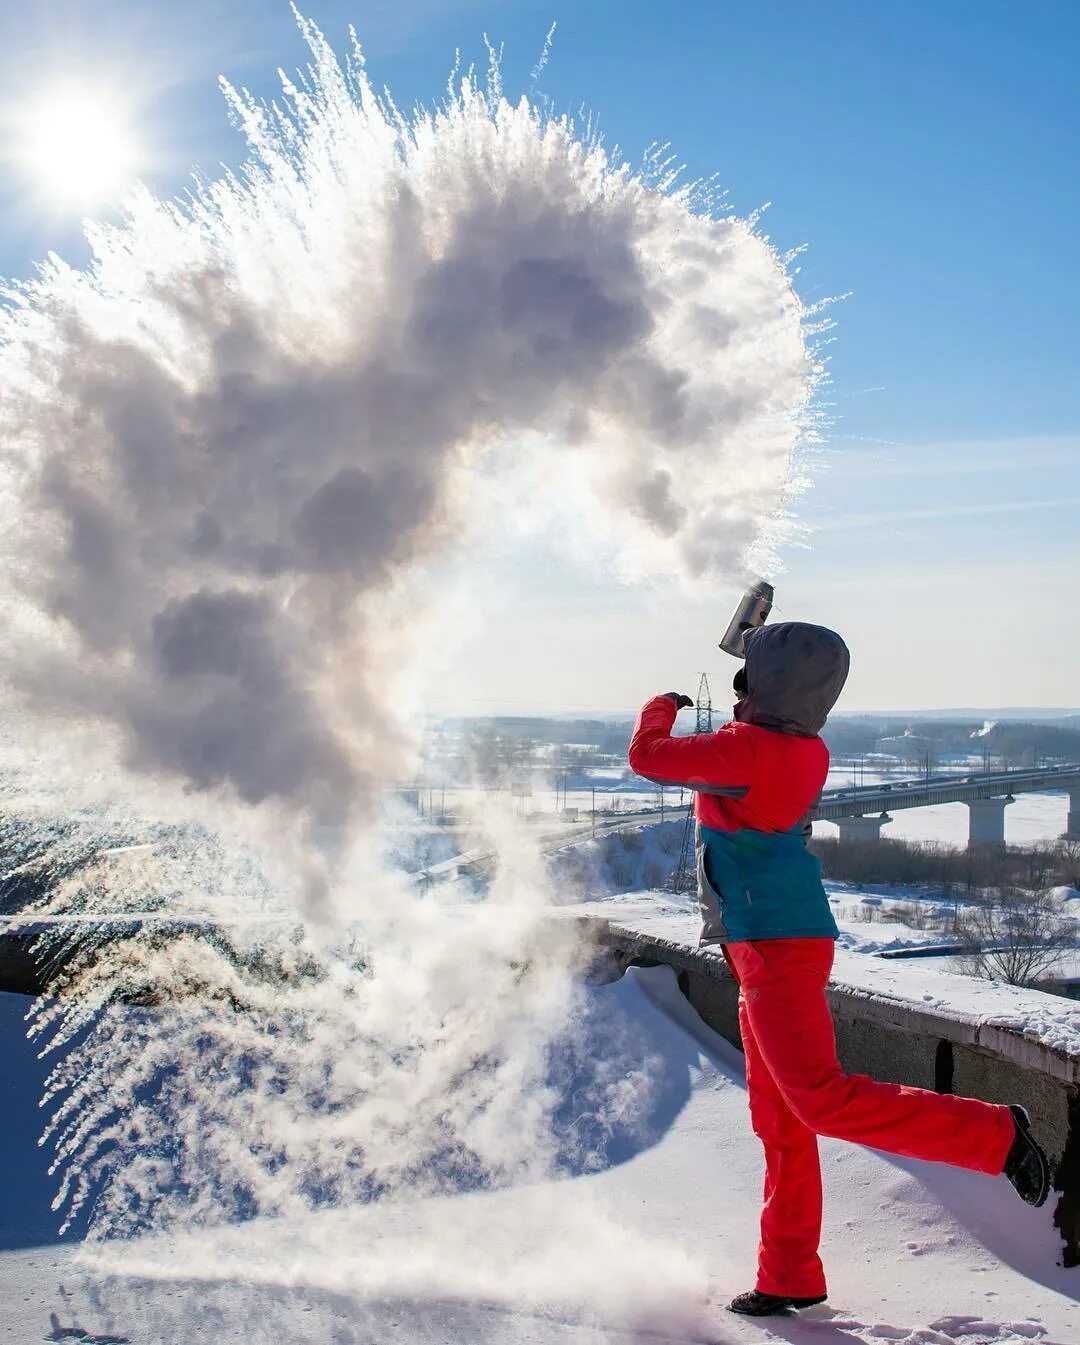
<point x="756" y="780"/>
<point x="744" y="775"/>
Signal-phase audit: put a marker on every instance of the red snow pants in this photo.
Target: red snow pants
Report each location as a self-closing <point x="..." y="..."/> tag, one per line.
<point x="798" y="1091"/>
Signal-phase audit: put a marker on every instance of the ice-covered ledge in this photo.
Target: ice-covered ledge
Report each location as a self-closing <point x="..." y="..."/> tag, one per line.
<point x="1033" y="1029"/>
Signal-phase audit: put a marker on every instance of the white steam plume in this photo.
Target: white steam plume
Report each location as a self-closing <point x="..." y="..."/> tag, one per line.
<point x="236" y="448"/>
<point x="234" y="437"/>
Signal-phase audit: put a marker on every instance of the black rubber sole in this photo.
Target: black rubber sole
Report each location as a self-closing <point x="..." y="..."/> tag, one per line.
<point x="1027" y="1166"/>
<point x="756" y="1304"/>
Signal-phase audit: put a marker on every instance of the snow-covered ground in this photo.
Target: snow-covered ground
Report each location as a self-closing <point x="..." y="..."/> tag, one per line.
<point x="873" y="936"/>
<point x="646" y="1250"/>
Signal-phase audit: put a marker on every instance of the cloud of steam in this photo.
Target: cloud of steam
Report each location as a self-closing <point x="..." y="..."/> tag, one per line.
<point x="273" y="1071"/>
<point x="260" y="412"/>
<point x="237" y="450"/>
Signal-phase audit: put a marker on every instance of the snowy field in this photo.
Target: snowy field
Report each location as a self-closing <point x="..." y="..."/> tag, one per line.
<point x="645" y="1249"/>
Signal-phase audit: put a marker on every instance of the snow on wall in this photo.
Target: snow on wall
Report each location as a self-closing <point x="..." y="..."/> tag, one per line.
<point x="1047" y="1020"/>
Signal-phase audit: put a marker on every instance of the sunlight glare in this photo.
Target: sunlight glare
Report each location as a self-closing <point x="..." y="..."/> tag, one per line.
<point x="78" y="145"/>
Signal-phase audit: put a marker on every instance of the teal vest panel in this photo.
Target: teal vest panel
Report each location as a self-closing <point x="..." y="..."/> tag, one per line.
<point x="760" y="885"/>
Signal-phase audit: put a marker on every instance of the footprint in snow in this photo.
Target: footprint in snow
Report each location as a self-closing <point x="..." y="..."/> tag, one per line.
<point x="973" y="1330"/>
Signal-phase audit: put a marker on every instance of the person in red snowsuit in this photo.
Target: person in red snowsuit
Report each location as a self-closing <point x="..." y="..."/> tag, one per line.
<point x="762" y="902"/>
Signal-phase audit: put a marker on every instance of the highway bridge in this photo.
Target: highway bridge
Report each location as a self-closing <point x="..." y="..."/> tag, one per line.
<point x="860" y="813"/>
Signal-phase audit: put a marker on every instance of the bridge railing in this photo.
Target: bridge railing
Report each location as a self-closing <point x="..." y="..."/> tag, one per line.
<point x="848" y="802"/>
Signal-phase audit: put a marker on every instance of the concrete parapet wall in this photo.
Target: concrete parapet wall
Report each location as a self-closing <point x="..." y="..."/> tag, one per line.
<point x="906" y="1043"/>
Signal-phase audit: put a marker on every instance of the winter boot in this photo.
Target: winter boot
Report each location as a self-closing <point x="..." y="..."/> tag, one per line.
<point x="1026" y="1166"/>
<point x="756" y="1304"/>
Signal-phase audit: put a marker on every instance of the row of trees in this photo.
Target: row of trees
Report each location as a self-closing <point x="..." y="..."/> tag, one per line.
<point x="1006" y="743"/>
<point x="494" y="752"/>
<point x="946" y="869"/>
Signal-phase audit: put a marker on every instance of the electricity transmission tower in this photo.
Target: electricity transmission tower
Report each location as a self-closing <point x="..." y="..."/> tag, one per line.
<point x="682" y="880"/>
<point x="704" y="706"/>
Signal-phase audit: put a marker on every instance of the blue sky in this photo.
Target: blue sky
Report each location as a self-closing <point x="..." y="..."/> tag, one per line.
<point x="926" y="154"/>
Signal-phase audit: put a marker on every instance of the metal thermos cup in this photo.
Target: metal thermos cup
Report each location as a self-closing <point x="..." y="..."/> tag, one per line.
<point x="754" y="606"/>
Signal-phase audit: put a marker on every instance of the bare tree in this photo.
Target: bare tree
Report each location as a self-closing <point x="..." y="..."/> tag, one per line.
<point x="493" y="757"/>
<point x="1015" y="936"/>
<point x="481" y="748"/>
<point x="1039" y="863"/>
<point x="1068" y="855"/>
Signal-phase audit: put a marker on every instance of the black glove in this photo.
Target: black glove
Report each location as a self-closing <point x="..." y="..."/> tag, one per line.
<point x="681" y="702"/>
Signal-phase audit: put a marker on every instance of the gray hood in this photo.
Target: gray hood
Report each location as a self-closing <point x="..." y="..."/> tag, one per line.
<point x="794" y="674"/>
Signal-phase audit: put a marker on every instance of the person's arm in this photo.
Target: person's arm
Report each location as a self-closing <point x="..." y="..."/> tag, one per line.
<point x="711" y="763"/>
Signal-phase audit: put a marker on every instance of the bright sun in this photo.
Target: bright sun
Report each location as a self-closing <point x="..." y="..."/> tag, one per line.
<point x="79" y="146"/>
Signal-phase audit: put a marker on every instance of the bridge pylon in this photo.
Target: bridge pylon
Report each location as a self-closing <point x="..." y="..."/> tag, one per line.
<point x="853" y="829"/>
<point x="986" y="823"/>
